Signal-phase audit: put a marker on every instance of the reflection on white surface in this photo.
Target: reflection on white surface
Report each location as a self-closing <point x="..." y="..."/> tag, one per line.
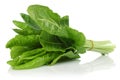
<point x="69" y="67"/>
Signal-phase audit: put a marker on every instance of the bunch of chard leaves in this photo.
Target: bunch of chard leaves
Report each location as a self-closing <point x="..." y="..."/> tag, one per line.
<point x="44" y="38"/>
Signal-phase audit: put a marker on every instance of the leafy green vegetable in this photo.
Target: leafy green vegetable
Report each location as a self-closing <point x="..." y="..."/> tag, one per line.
<point x="39" y="61"/>
<point x="64" y="21"/>
<point x="26" y="32"/>
<point x="20" y="40"/>
<point x="32" y="52"/>
<point x="47" y="20"/>
<point x="18" y="50"/>
<point x="51" y="42"/>
<point x="45" y="15"/>
<point x="47" y="24"/>
<point x="45" y="38"/>
<point x="69" y="54"/>
<point x="30" y="22"/>
<point x="22" y="25"/>
<point x="25" y="29"/>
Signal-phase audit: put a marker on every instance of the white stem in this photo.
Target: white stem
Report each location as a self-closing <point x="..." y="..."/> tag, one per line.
<point x="104" y="47"/>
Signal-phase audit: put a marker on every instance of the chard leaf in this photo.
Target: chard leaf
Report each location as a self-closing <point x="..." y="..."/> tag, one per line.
<point x="32" y="52"/>
<point x="37" y="62"/>
<point x="13" y="62"/>
<point x="34" y="56"/>
<point x="25" y="29"/>
<point x="45" y="14"/>
<point x="26" y="32"/>
<point x="46" y="38"/>
<point x="78" y="38"/>
<point x="29" y="21"/>
<point x="68" y="54"/>
<point x="24" y="60"/>
<point x="20" y="40"/>
<point x="64" y="21"/>
<point x="47" y="19"/>
<point x="51" y="42"/>
<point x="22" y="25"/>
<point x="41" y="15"/>
<point x="18" y="50"/>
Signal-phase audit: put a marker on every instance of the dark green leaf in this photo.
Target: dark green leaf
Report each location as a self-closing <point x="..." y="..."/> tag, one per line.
<point x="78" y="38"/>
<point x="64" y="21"/>
<point x="51" y="42"/>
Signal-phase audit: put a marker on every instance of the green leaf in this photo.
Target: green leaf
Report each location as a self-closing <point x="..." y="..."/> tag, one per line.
<point x="34" y="56"/>
<point x="26" y="32"/>
<point x="13" y="62"/>
<point x="41" y="15"/>
<point x="20" y="40"/>
<point x="21" y="32"/>
<point x="37" y="62"/>
<point x="29" y="21"/>
<point x="64" y="21"/>
<point x="22" y="25"/>
<point x="69" y="55"/>
<point x="51" y="42"/>
<point x="47" y="19"/>
<point x="49" y="35"/>
<point x="32" y="53"/>
<point x="18" y="50"/>
<point x="25" y="29"/>
<point x="78" y="38"/>
<point x="45" y="14"/>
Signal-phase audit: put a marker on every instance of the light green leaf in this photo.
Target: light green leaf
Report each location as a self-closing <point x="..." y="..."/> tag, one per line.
<point x="45" y="14"/>
<point x="29" y="21"/>
<point x="69" y="55"/>
<point x="32" y="52"/>
<point x="37" y="62"/>
<point x="47" y="19"/>
<point x="22" y="25"/>
<point x="13" y="62"/>
<point x="18" y="50"/>
<point x="20" y="40"/>
<point x="25" y="29"/>
<point x="26" y="32"/>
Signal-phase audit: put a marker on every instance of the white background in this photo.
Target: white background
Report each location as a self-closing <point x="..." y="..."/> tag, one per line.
<point x="97" y="19"/>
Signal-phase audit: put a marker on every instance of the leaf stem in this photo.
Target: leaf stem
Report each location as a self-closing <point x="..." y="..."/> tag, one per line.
<point x="103" y="47"/>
